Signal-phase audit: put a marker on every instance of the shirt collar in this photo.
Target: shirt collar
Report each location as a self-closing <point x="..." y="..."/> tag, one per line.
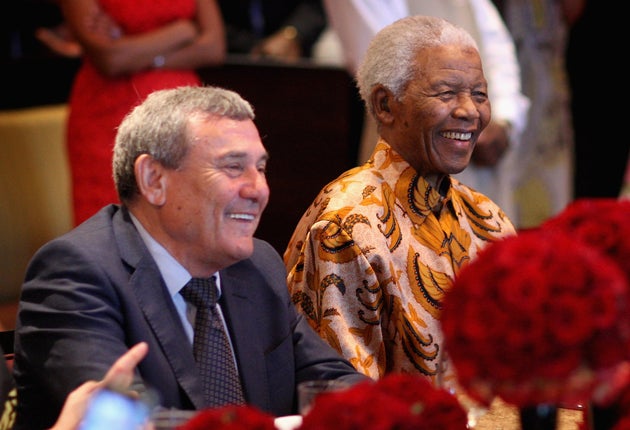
<point x="174" y="274"/>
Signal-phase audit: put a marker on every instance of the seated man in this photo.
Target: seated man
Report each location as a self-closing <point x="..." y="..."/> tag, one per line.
<point x="189" y="167"/>
<point x="372" y="258"/>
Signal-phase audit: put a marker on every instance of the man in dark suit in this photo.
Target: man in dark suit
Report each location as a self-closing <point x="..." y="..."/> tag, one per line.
<point x="189" y="167"/>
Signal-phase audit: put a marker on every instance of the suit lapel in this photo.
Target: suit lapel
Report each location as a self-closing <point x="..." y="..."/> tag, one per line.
<point x="157" y="307"/>
<point x="241" y="314"/>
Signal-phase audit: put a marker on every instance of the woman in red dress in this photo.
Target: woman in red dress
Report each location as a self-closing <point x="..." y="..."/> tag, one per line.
<point x="130" y="49"/>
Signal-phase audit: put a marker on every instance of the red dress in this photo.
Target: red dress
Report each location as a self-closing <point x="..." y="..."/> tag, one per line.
<point x="98" y="103"/>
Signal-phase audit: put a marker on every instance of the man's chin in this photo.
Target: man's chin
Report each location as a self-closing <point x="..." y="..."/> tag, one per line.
<point x="459" y="168"/>
<point x="241" y="248"/>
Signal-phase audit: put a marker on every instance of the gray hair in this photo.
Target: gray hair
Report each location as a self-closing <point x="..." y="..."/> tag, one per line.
<point x="159" y="127"/>
<point x="390" y="57"/>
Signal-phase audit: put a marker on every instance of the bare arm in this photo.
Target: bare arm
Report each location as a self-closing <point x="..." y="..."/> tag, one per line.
<point x="182" y="43"/>
<point x="209" y="46"/>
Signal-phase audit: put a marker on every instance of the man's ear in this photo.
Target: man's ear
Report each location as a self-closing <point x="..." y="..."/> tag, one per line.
<point x="382" y="100"/>
<point x="384" y="104"/>
<point x="151" y="180"/>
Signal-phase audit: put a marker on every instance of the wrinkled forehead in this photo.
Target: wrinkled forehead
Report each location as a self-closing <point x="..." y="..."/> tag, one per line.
<point x="453" y="52"/>
<point x="430" y="60"/>
<point x="219" y="134"/>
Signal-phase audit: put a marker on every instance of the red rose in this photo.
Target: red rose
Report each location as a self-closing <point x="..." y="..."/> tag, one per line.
<point x="231" y="418"/>
<point x="400" y="401"/>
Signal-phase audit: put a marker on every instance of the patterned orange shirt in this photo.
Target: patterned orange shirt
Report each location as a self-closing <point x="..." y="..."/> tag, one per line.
<point x="373" y="256"/>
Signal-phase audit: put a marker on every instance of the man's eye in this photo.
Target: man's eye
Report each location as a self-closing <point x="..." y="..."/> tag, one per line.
<point x="446" y="95"/>
<point x="233" y="170"/>
<point x="480" y="96"/>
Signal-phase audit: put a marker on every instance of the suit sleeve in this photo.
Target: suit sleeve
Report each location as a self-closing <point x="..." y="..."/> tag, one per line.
<point x="314" y="358"/>
<point x="69" y="327"/>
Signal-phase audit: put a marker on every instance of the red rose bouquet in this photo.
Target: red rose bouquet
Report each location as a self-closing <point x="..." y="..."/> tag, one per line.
<point x="534" y="318"/>
<point x="396" y="401"/>
<point x="230" y="418"/>
<point x="602" y="223"/>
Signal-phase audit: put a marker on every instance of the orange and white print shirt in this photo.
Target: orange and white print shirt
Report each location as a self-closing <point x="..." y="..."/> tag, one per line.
<point x="373" y="256"/>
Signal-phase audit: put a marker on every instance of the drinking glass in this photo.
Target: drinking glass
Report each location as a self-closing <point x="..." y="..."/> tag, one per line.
<point x="169" y="419"/>
<point x="309" y="390"/>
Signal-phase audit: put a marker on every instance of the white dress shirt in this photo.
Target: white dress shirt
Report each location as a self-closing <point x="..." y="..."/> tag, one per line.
<point x="175" y="277"/>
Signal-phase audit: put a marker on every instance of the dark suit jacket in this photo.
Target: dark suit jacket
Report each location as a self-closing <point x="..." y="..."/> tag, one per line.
<point x="92" y="293"/>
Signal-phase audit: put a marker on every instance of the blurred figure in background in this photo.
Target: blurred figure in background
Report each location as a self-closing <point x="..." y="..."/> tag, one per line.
<point x="493" y="168"/>
<point x="130" y="49"/>
<point x="284" y="30"/>
<point x="59" y="40"/>
<point x="545" y="155"/>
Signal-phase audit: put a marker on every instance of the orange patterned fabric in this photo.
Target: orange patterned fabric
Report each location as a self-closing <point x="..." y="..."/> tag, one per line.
<point x="99" y="103"/>
<point x="372" y="257"/>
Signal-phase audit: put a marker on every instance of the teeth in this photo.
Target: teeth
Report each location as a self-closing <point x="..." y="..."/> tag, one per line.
<point x="457" y="135"/>
<point x="242" y="216"/>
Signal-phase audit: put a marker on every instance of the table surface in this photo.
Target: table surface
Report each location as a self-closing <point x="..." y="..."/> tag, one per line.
<point x="502" y="416"/>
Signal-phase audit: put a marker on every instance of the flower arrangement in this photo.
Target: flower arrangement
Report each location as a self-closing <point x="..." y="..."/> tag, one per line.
<point x="396" y="401"/>
<point x="535" y="318"/>
<point x="231" y="417"/>
<point x="602" y="223"/>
